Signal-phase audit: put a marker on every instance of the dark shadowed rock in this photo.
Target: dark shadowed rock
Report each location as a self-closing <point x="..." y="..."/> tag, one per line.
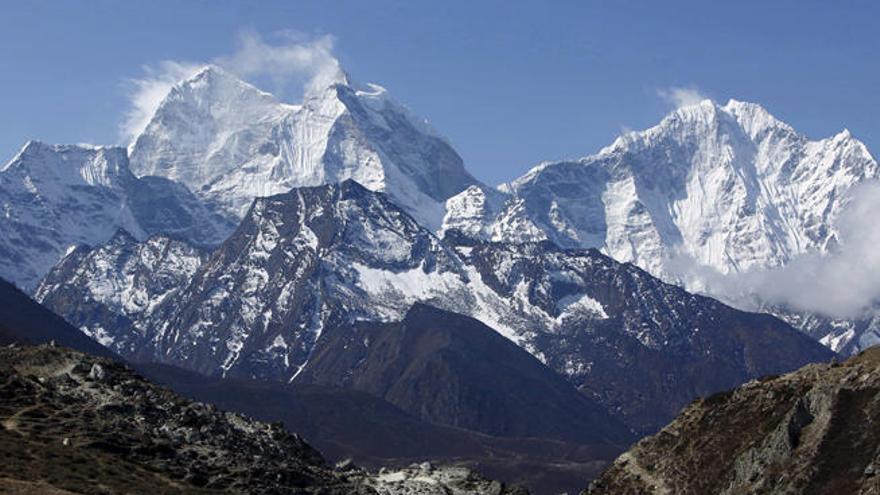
<point x="452" y="369"/>
<point x="24" y="321"/>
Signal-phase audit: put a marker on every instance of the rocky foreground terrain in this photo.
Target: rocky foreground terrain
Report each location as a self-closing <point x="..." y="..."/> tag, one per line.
<point x="73" y="423"/>
<point x="814" y="431"/>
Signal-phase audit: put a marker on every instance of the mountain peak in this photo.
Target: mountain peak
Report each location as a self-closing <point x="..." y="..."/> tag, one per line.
<point x="215" y="85"/>
<point x="71" y="164"/>
<point x="122" y="237"/>
<point x="229" y="142"/>
<point x="328" y="77"/>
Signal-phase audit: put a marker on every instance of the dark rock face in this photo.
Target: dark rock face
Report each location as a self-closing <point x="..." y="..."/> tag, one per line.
<point x="816" y="430"/>
<point x="451" y="369"/>
<point x="269" y="290"/>
<point x="655" y="347"/>
<point x="349" y="424"/>
<point x="24" y="321"/>
<point x="83" y="424"/>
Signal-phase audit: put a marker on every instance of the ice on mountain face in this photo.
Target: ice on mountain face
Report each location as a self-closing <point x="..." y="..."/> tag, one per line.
<point x="729" y="186"/>
<point x="468" y="211"/>
<point x="57" y="196"/>
<point x="712" y="190"/>
<point x="229" y="142"/>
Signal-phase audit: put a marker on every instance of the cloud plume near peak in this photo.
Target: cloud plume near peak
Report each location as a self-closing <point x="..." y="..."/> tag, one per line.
<point x="679" y="97"/>
<point x="841" y="283"/>
<point x="292" y="63"/>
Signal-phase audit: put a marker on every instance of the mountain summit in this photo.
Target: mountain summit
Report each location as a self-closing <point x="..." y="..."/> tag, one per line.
<point x="230" y="142"/>
<point x="730" y="186"/>
<point x="710" y="191"/>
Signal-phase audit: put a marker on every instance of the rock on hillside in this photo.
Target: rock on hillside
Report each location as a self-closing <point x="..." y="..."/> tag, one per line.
<point x="815" y="431"/>
<point x="90" y="425"/>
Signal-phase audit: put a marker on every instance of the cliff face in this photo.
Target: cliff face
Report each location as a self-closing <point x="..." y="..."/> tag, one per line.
<point x="815" y="431"/>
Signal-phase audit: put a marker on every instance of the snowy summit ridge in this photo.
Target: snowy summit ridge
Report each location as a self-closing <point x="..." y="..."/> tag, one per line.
<point x="230" y="142"/>
<point x="711" y="190"/>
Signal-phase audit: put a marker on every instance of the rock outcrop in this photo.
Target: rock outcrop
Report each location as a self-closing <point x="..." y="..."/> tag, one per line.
<point x="815" y="431"/>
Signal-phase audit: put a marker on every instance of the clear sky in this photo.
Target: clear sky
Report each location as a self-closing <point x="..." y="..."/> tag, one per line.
<point x="509" y="83"/>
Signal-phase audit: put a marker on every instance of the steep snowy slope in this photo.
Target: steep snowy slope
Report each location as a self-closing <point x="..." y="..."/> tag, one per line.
<point x="722" y="189"/>
<point x="55" y="197"/>
<point x="230" y="142"/>
<point x="729" y="186"/>
<point x="307" y="260"/>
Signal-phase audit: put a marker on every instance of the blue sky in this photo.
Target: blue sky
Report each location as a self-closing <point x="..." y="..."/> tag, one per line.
<point x="510" y="83"/>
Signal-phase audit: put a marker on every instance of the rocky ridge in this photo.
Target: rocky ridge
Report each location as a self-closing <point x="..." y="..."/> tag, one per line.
<point x="811" y="431"/>
<point x="90" y="425"/>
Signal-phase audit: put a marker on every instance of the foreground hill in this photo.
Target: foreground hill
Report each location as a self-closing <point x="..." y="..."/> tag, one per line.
<point x="349" y="424"/>
<point x="813" y="431"/>
<point x="76" y="423"/>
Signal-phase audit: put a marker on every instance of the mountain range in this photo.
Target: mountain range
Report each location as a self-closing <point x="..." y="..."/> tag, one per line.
<point x="711" y="191"/>
<point x="340" y="248"/>
<point x="305" y="262"/>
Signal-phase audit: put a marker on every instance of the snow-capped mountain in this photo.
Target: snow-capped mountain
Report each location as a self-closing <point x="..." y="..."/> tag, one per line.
<point x="711" y="190"/>
<point x="110" y="289"/>
<point x="730" y="186"/>
<point x="317" y="257"/>
<point x="229" y="142"/>
<point x="56" y="197"/>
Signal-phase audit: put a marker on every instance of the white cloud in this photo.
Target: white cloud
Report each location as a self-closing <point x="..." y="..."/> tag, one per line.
<point x="681" y="96"/>
<point x="294" y="61"/>
<point x="148" y="92"/>
<point x="841" y="284"/>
